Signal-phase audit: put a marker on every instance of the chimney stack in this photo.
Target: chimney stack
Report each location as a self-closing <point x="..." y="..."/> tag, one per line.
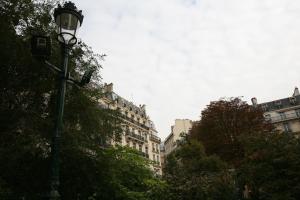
<point x="254" y="101"/>
<point x="143" y="107"/>
<point x="108" y="87"/>
<point x="296" y="92"/>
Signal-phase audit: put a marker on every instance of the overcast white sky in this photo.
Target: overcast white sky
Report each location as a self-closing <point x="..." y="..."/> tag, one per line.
<point x="176" y="56"/>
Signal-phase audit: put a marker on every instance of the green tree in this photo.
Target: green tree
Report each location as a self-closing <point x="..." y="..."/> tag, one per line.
<point x="89" y="169"/>
<point x="194" y="175"/>
<point x="271" y="167"/>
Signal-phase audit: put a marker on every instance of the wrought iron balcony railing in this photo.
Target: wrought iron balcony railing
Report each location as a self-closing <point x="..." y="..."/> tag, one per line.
<point x="154" y="138"/>
<point x="136" y="136"/>
<point x="124" y="117"/>
<point x="282" y="118"/>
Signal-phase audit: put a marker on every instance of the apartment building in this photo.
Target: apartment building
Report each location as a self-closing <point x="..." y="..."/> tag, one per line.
<point x="139" y="131"/>
<point x="283" y="113"/>
<point x="181" y="126"/>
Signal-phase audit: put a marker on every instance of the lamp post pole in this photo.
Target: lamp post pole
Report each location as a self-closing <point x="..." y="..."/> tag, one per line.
<point x="68" y="19"/>
<point x="55" y="148"/>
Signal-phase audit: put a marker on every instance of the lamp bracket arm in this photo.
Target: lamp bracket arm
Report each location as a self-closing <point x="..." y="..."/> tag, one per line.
<point x="70" y="79"/>
<point x="53" y="67"/>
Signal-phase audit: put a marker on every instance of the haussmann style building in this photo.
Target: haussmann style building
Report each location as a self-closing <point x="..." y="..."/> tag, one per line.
<point x="283" y="113"/>
<point x="138" y="130"/>
<point x="181" y="126"/>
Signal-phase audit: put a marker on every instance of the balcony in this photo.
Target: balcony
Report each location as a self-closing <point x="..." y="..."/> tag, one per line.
<point x="283" y="118"/>
<point x="156" y="164"/>
<point x="124" y="117"/>
<point x="135" y="136"/>
<point x="154" y="138"/>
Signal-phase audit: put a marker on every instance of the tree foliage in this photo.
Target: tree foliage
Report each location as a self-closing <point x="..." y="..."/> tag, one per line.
<point x="224" y="124"/>
<point x="265" y="162"/>
<point x="271" y="168"/>
<point x="194" y="175"/>
<point x="89" y="170"/>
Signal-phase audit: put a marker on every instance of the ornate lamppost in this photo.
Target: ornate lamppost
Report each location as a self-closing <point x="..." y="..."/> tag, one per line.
<point x="68" y="20"/>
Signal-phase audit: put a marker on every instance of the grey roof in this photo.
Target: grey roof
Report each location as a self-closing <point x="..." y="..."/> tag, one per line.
<point x="121" y="101"/>
<point x="280" y="103"/>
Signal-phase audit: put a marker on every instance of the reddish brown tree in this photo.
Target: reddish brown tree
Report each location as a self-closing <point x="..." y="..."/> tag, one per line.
<point x="225" y="124"/>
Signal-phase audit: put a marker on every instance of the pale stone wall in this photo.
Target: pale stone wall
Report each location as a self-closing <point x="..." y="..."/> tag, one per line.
<point x="180" y="126"/>
<point x="138" y="130"/>
<point x="284" y="114"/>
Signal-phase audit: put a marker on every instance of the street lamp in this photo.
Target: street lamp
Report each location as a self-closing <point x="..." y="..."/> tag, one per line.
<point x="68" y="19"/>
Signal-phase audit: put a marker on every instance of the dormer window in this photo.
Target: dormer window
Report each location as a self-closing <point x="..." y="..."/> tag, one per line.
<point x="264" y="107"/>
<point x="278" y="104"/>
<point x="293" y="100"/>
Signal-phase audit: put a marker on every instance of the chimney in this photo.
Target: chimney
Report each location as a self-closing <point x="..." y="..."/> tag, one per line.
<point x="254" y="101"/>
<point x="143" y="107"/>
<point x="108" y="87"/>
<point x="296" y="92"/>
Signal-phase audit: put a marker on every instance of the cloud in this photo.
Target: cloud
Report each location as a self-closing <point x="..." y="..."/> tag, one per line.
<point x="178" y="55"/>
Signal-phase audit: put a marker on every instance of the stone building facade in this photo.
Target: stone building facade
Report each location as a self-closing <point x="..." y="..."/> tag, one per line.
<point x="139" y="131"/>
<point x="283" y="113"/>
<point x="181" y="126"/>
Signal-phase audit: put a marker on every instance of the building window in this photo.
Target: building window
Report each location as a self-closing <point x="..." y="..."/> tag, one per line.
<point x="297" y="112"/>
<point x="282" y="115"/>
<point x="286" y="127"/>
<point x="264" y="107"/>
<point x="293" y="100"/>
<point x="278" y="104"/>
<point x="146" y="150"/>
<point x="140" y="147"/>
<point x="153" y="157"/>
<point x="157" y="158"/>
<point x="268" y="117"/>
<point x="153" y="147"/>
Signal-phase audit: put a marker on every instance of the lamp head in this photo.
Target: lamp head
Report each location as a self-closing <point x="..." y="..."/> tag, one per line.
<point x="68" y="20"/>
